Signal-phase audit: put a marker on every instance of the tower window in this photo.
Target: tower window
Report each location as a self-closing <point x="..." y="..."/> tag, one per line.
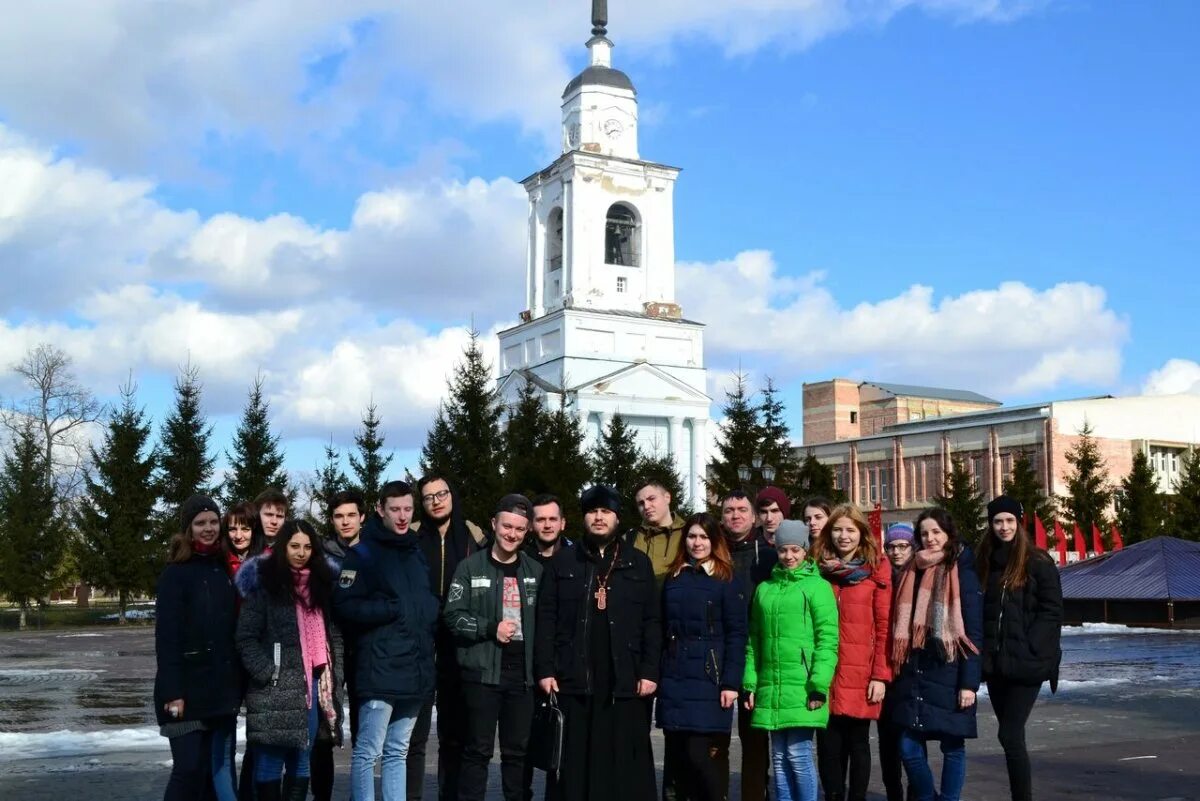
<point x="622" y="282"/>
<point x="554" y="241"/>
<point x="621" y="236"/>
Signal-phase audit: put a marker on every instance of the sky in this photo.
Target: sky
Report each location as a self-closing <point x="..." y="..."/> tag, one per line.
<point x="995" y="195"/>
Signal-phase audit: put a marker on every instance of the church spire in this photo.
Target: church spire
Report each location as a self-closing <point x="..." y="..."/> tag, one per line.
<point x="599" y="17"/>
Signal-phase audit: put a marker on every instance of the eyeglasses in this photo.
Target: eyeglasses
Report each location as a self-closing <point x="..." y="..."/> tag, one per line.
<point x="897" y="546"/>
<point x="436" y="496"/>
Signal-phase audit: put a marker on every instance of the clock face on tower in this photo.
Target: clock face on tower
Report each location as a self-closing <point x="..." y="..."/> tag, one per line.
<point x="612" y="128"/>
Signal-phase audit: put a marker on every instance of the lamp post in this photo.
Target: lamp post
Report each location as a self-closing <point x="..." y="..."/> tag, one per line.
<point x="746" y="473"/>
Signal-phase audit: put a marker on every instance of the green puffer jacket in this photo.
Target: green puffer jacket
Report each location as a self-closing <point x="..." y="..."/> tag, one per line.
<point x="792" y="650"/>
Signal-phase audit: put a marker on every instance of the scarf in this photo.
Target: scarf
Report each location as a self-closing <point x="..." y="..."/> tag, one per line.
<point x="205" y="549"/>
<point x="314" y="648"/>
<point x="847" y="574"/>
<point x="933" y="606"/>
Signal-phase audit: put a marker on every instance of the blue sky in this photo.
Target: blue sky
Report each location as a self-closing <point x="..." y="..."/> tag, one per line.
<point x="1000" y="196"/>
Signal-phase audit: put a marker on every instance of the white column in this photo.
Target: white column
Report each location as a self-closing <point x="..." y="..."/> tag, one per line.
<point x="531" y="297"/>
<point x="606" y="419"/>
<point x="680" y="450"/>
<point x="699" y="463"/>
<point x="568" y="243"/>
<point x="539" y="266"/>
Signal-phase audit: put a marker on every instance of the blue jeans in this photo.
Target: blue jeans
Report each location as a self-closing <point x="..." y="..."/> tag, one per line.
<point x="224" y="749"/>
<point x="383" y="730"/>
<point x="271" y="760"/>
<point x="792" y="760"/>
<point x="913" y="752"/>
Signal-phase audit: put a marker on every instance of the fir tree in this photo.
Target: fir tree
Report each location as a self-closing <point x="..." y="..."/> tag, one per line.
<point x="963" y="501"/>
<point x="814" y="479"/>
<point x="1140" y="507"/>
<point x="1185" y="505"/>
<point x="524" y="434"/>
<point x="185" y="465"/>
<point x="776" y="442"/>
<point x="563" y="460"/>
<point x="1025" y="486"/>
<point x="256" y="460"/>
<point x="329" y="480"/>
<point x="369" y="465"/>
<point x="739" y="441"/>
<point x="119" y="550"/>
<point x="661" y="468"/>
<point x="463" y="445"/>
<point x="615" y="460"/>
<point x="32" y="541"/>
<point x="1088" y="492"/>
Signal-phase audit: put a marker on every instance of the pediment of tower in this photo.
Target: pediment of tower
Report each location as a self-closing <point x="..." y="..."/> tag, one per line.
<point x="641" y="380"/>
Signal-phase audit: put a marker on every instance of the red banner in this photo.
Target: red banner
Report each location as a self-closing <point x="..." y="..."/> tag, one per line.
<point x="1080" y="548"/>
<point x="1117" y="542"/>
<point x="1060" y="542"/>
<point x="1097" y="540"/>
<point x="875" y="520"/>
<point x="1039" y="533"/>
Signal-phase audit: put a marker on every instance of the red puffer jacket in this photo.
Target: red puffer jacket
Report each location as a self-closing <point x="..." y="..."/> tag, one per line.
<point x="864" y="616"/>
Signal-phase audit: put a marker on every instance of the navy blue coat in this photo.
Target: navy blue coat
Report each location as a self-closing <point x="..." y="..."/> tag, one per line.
<point x="704" y="651"/>
<point x="383" y="597"/>
<point x="924" y="694"/>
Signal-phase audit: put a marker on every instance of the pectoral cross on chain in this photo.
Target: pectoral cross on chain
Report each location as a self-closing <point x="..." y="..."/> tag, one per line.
<point x="602" y="598"/>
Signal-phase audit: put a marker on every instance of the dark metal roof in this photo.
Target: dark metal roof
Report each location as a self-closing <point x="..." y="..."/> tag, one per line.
<point x="600" y="76"/>
<point x="937" y="393"/>
<point x="1162" y="568"/>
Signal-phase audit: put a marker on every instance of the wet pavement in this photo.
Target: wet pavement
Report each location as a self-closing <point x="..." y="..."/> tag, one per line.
<point x="76" y="722"/>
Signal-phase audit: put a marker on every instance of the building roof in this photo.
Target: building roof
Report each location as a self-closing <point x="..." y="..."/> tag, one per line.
<point x="1162" y="568"/>
<point x="636" y="315"/>
<point x="600" y="76"/>
<point x="937" y="393"/>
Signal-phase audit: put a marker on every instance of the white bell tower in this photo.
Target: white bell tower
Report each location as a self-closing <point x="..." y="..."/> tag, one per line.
<point x="601" y="327"/>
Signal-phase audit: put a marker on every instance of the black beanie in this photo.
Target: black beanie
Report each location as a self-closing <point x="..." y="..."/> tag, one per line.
<point x="516" y="504"/>
<point x="600" y="497"/>
<point x="194" y="506"/>
<point x="1004" y="503"/>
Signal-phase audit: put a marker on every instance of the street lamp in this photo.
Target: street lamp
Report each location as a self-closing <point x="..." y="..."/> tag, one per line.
<point x="765" y="471"/>
<point x="744" y="474"/>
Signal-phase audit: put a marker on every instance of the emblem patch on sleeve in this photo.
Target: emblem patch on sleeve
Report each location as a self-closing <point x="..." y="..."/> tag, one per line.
<point x="346" y="579"/>
<point x="456" y="592"/>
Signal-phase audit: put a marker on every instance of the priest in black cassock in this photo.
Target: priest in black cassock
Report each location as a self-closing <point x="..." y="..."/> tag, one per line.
<point x="598" y="645"/>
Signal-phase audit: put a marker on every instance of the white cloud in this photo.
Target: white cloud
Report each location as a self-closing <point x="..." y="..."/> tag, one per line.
<point x="1175" y="377"/>
<point x="1009" y="340"/>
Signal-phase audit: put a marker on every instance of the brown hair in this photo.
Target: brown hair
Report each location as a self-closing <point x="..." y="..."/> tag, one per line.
<point x="868" y="548"/>
<point x="1017" y="570"/>
<point x="721" y="560"/>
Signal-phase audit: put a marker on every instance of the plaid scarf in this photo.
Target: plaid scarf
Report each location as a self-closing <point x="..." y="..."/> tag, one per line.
<point x="935" y="605"/>
<point x="845" y="573"/>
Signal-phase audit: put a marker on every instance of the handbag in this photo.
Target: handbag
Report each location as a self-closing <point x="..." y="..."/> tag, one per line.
<point x="546" y="735"/>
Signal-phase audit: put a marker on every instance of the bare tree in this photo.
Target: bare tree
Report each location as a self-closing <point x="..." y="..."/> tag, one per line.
<point x="60" y="408"/>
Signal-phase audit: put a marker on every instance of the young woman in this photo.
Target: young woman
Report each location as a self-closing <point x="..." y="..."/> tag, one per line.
<point x="816" y="513"/>
<point x="1022" y="623"/>
<point x="197" y="686"/>
<point x="790" y="659"/>
<point x="704" y="609"/>
<point x="898" y="546"/>
<point x="292" y="653"/>
<point x="242" y="534"/>
<point x="848" y="556"/>
<point x="937" y="632"/>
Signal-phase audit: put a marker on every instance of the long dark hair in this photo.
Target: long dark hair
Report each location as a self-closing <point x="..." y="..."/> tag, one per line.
<point x="954" y="545"/>
<point x="245" y="513"/>
<point x="276" y="573"/>
<point x="1017" y="569"/>
<point x="722" y="561"/>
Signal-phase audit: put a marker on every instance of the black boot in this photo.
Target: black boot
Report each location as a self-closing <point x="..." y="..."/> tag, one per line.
<point x="298" y="791"/>
<point x="267" y="791"/>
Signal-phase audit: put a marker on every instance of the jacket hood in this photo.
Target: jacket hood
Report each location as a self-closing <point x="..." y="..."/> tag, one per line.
<point x="806" y="569"/>
<point x="376" y="531"/>
<point x="248" y="579"/>
<point x="648" y="530"/>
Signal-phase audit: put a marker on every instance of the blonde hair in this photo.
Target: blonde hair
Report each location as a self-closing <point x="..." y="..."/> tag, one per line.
<point x="868" y="547"/>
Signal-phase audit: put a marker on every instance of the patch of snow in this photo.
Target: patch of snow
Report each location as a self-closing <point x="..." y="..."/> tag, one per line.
<point x="1117" y="628"/>
<point x="132" y="614"/>
<point x="72" y="636"/>
<point x="45" y="671"/>
<point x="49" y="745"/>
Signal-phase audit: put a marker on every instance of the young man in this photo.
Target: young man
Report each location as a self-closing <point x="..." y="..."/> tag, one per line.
<point x="661" y="532"/>
<point x="272" y="512"/>
<point x="490" y="610"/>
<point x="347" y="513"/>
<point x="773" y="508"/>
<point x="753" y="560"/>
<point x="549" y="523"/>
<point x="599" y="642"/>
<point x="383" y="595"/>
<point x="446" y="538"/>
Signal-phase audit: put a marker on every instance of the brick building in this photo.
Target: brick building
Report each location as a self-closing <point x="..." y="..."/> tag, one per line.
<point x="894" y="444"/>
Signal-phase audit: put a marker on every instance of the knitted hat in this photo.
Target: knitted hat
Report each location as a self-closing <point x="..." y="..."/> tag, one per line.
<point x="768" y="494"/>
<point x="600" y="496"/>
<point x="193" y="506"/>
<point x="1003" y="503"/>
<point x="899" y="531"/>
<point x="792" y="532"/>
<point x="515" y="504"/>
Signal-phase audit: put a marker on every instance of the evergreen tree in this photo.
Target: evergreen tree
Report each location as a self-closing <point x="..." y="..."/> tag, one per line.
<point x="120" y="551"/>
<point x="814" y="479"/>
<point x="661" y="468"/>
<point x="563" y="460"/>
<point x="1140" y="509"/>
<point x="330" y="479"/>
<point x="963" y="501"/>
<point x="1025" y="486"/>
<point x="464" y="443"/>
<point x="776" y="442"/>
<point x="1088" y="492"/>
<point x="524" y="434"/>
<point x="185" y="465"/>
<point x="256" y="460"/>
<point x="32" y="541"/>
<point x="1185" y="505"/>
<point x="740" y="439"/>
<point x="369" y="465"/>
<point x="615" y="460"/>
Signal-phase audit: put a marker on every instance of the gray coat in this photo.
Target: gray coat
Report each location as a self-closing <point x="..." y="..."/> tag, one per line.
<point x="276" y="700"/>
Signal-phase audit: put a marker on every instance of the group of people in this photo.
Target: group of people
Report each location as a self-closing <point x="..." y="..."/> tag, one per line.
<point x="798" y="633"/>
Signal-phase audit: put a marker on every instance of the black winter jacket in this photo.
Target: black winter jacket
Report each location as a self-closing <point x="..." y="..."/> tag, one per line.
<point x="277" y="698"/>
<point x="1022" y="626"/>
<point x="194" y="620"/>
<point x="566" y="608"/>
<point x="753" y="561"/>
<point x="924" y="692"/>
<point x="383" y="597"/>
